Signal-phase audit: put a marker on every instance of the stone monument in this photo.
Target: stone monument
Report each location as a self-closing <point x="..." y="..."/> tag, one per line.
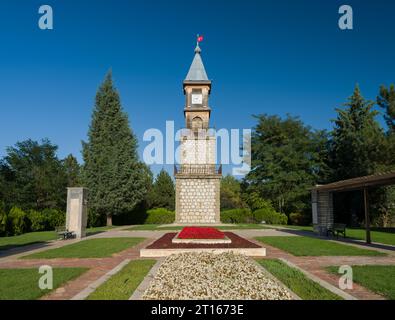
<point x="198" y="176"/>
<point x="77" y="211"/>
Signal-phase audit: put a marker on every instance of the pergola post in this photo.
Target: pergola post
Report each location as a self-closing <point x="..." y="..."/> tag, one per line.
<point x="367" y="218"/>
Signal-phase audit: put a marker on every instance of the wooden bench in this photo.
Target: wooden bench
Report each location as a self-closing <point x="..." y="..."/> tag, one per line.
<point x="338" y="228"/>
<point x="64" y="233"/>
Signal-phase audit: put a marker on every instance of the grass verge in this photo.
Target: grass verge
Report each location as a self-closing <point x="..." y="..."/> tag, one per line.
<point x="295" y="280"/>
<point x="29" y="238"/>
<point x="306" y="246"/>
<point x="22" y="284"/>
<point x="379" y="279"/>
<point x="358" y="234"/>
<point x="122" y="285"/>
<point x="92" y="248"/>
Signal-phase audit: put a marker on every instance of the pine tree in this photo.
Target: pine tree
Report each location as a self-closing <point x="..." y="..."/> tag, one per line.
<point x="357" y="140"/>
<point x="163" y="192"/>
<point x="386" y="100"/>
<point x="112" y="171"/>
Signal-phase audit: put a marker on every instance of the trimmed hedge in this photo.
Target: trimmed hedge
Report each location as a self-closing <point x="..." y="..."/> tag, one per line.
<point x="265" y="215"/>
<point x="237" y="216"/>
<point x="160" y="216"/>
<point x="269" y="216"/>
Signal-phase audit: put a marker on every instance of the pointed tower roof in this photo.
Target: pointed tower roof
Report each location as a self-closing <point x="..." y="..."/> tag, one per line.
<point x="196" y="71"/>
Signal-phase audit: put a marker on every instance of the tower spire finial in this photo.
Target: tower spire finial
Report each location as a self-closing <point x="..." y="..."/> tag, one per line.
<point x="199" y="39"/>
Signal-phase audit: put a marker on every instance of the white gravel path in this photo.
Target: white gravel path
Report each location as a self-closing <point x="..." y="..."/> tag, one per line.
<point x="213" y="276"/>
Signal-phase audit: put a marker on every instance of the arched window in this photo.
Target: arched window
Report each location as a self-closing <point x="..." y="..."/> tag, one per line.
<point x="197" y="123"/>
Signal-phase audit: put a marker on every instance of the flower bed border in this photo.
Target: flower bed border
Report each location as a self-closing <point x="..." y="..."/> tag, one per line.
<point x="201" y="233"/>
<point x="225" y="240"/>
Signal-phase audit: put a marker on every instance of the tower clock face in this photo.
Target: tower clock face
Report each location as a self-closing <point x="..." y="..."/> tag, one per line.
<point x="197" y="98"/>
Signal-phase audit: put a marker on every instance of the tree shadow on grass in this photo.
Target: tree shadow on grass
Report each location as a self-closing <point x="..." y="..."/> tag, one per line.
<point x="92" y="233"/>
<point x="11" y="249"/>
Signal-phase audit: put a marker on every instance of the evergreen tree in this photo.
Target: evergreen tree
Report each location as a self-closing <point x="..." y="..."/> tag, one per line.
<point x="72" y="170"/>
<point x="358" y="142"/>
<point x="149" y="185"/>
<point x="386" y="100"/>
<point x="163" y="192"/>
<point x="112" y="171"/>
<point x="287" y="159"/>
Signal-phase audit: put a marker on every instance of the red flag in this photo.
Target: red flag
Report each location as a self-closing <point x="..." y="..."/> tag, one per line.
<point x="200" y="38"/>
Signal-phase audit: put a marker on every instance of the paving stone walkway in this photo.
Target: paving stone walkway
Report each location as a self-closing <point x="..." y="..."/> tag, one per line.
<point x="98" y="267"/>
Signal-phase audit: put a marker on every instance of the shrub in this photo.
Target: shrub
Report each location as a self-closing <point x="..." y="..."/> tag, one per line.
<point x="4" y="225"/>
<point x="236" y="216"/>
<point x="160" y="216"/>
<point x="19" y="221"/>
<point x="297" y="219"/>
<point x="55" y="218"/>
<point x="270" y="216"/>
<point x="95" y="219"/>
<point x="137" y="216"/>
<point x="255" y="201"/>
<point x="38" y="220"/>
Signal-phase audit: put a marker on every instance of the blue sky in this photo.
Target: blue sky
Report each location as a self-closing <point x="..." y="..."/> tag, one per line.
<point x="272" y="57"/>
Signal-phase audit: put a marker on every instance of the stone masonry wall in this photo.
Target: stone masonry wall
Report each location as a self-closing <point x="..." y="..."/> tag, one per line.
<point x="197" y="200"/>
<point x="324" y="207"/>
<point x="198" y="151"/>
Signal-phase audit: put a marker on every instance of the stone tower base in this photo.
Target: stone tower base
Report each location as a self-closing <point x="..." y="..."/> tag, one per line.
<point x="198" y="199"/>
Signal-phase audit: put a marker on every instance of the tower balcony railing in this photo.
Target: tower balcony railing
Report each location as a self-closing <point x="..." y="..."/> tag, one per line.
<point x="203" y="169"/>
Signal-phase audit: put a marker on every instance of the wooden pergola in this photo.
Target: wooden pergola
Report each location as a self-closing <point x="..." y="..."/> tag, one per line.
<point x="322" y="197"/>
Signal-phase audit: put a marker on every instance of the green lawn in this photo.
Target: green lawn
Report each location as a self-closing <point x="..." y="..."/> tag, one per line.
<point x="359" y="234"/>
<point x="122" y="285"/>
<point x="22" y="284"/>
<point x="295" y="280"/>
<point x="231" y="227"/>
<point x="306" y="246"/>
<point x="93" y="248"/>
<point x="26" y="239"/>
<point x="377" y="236"/>
<point x="379" y="279"/>
<point x="38" y="237"/>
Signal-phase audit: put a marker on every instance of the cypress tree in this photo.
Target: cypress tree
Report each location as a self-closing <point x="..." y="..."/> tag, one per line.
<point x="112" y="171"/>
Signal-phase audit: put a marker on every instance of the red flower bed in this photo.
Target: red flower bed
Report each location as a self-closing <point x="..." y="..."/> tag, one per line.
<point x="200" y="233"/>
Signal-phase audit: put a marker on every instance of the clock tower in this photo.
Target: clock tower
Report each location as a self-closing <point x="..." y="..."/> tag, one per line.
<point x="198" y="176"/>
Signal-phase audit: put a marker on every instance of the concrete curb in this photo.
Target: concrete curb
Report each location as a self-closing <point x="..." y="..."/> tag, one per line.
<point x="138" y="293"/>
<point x="159" y="253"/>
<point x="321" y="282"/>
<point x="94" y="285"/>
